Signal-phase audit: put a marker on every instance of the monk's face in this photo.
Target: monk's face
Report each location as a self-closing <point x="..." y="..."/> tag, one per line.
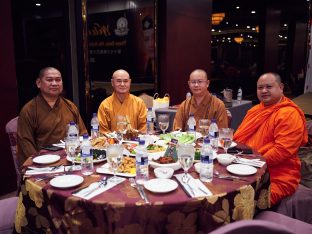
<point x="269" y="90"/>
<point x="198" y="83"/>
<point x="121" y="82"/>
<point x="50" y="84"/>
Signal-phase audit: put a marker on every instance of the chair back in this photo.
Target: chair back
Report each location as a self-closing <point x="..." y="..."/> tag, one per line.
<point x="147" y="99"/>
<point x="11" y="130"/>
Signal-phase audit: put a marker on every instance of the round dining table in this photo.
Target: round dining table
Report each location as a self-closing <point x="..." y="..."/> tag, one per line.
<point x="43" y="208"/>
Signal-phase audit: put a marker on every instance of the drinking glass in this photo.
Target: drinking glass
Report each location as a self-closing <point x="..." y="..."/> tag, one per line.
<point x="72" y="148"/>
<point x="203" y="125"/>
<point x="121" y="122"/>
<point x="186" y="154"/>
<point x="114" y="155"/>
<point x="163" y="122"/>
<point x="225" y="138"/>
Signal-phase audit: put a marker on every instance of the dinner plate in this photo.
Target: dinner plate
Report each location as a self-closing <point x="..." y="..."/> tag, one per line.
<point x="46" y="159"/>
<point x="66" y="181"/>
<point x="161" y="185"/>
<point x="105" y="169"/>
<point x="94" y="160"/>
<point x="240" y="169"/>
<point x="233" y="144"/>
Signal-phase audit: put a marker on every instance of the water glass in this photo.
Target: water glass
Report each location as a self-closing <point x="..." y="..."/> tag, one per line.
<point x="163" y="122"/>
<point x="121" y="123"/>
<point x="114" y="155"/>
<point x="203" y="125"/>
<point x="72" y="148"/>
<point x="186" y="154"/>
<point x="225" y="138"/>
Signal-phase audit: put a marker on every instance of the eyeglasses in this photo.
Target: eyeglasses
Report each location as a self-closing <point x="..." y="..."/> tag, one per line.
<point x="119" y="81"/>
<point x="199" y="82"/>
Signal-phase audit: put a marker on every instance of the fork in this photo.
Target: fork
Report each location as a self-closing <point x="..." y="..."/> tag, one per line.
<point x="134" y="185"/>
<point x="100" y="184"/>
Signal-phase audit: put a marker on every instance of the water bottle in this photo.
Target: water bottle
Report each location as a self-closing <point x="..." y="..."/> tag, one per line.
<point x="72" y="131"/>
<point x="86" y="156"/>
<point x="239" y="95"/>
<point x="206" y="162"/>
<point x="188" y="95"/>
<point x="214" y="135"/>
<point x="94" y="126"/>
<point x="141" y="159"/>
<point x="191" y="124"/>
<point x="149" y="121"/>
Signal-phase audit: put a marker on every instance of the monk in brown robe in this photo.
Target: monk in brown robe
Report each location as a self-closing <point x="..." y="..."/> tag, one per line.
<point x="43" y="120"/>
<point x="121" y="102"/>
<point x="202" y="104"/>
<point x="276" y="128"/>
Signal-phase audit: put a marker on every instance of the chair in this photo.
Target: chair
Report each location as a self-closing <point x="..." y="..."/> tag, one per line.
<point x="147" y="99"/>
<point x="11" y="130"/>
<point x="254" y="227"/>
<point x="229" y="115"/>
<point x="7" y="214"/>
<point x="298" y="205"/>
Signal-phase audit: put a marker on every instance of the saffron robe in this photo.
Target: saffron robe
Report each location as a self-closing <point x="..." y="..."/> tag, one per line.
<point x="132" y="107"/>
<point x="210" y="108"/>
<point x="276" y="131"/>
<point x="40" y="125"/>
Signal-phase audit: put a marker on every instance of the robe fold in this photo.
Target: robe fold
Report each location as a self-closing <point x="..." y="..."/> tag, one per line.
<point x="276" y="131"/>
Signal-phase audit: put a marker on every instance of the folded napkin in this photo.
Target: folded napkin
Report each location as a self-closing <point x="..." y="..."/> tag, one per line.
<point x="62" y="145"/>
<point x="194" y="187"/>
<point x="250" y="162"/>
<point x="49" y="170"/>
<point x="95" y="189"/>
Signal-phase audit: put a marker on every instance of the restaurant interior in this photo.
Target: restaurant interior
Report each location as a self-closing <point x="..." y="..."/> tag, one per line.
<point x="159" y="43"/>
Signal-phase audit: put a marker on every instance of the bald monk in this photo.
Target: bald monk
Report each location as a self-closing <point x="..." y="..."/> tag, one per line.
<point x="121" y="102"/>
<point x="202" y="104"/>
<point x="276" y="128"/>
<point x="43" y="120"/>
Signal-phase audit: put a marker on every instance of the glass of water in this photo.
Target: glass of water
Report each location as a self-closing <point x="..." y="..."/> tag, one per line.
<point x="203" y="125"/>
<point x="114" y="155"/>
<point x="186" y="154"/>
<point x="163" y="122"/>
<point x="121" y="123"/>
<point x="225" y="138"/>
<point x="72" y="147"/>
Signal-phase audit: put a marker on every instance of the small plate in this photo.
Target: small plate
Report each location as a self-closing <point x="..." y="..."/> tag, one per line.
<point x="161" y="185"/>
<point x="240" y="169"/>
<point x="46" y="159"/>
<point x="106" y="170"/>
<point x="66" y="181"/>
<point x="232" y="145"/>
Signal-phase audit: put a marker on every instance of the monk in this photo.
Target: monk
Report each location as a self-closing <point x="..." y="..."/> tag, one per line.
<point x="121" y="102"/>
<point x="43" y="120"/>
<point x="202" y="104"/>
<point x="276" y="128"/>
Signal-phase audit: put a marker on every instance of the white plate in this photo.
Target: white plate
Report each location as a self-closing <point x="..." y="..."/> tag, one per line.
<point x="46" y="159"/>
<point x="175" y="166"/>
<point x="232" y="145"/>
<point x="106" y="170"/>
<point x="66" y="181"/>
<point x="240" y="169"/>
<point x="161" y="185"/>
<point x="94" y="161"/>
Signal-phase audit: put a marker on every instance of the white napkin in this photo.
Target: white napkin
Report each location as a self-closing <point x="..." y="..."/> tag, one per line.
<point x="194" y="187"/>
<point x="50" y="170"/>
<point x="85" y="193"/>
<point x="250" y="162"/>
<point x="62" y="145"/>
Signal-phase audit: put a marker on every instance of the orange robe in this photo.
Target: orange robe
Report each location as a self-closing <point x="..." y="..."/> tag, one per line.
<point x="277" y="132"/>
<point x="132" y="107"/>
<point x="210" y="108"/>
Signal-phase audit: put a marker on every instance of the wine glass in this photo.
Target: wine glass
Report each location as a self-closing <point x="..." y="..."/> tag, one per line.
<point x="163" y="122"/>
<point x="114" y="155"/>
<point x="72" y="147"/>
<point x="186" y="154"/>
<point x="121" y="122"/>
<point x="225" y="138"/>
<point x="203" y="125"/>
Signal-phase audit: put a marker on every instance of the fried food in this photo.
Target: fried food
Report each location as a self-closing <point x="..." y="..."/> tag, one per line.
<point x="165" y="160"/>
<point x="131" y="134"/>
<point x="127" y="165"/>
<point x="99" y="141"/>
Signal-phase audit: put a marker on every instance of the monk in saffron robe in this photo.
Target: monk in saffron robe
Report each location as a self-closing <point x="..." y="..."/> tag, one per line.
<point x="276" y="128"/>
<point x="202" y="104"/>
<point x="43" y="120"/>
<point x="121" y="102"/>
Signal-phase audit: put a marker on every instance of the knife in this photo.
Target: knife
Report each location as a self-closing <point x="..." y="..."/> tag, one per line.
<point x="140" y="187"/>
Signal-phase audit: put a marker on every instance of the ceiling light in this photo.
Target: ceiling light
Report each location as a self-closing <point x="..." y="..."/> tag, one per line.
<point x="253" y="12"/>
<point x="285" y="25"/>
<point x="237" y="7"/>
<point x="212" y="30"/>
<point x="236" y="25"/>
<point x="217" y="18"/>
<point x="247" y="26"/>
<point x="38" y="4"/>
<point x="238" y="40"/>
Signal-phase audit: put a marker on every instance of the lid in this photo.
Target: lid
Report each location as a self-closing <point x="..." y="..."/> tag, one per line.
<point x="191" y="114"/>
<point x="206" y="140"/>
<point x="141" y="142"/>
<point x="85" y="136"/>
<point x="71" y="123"/>
<point x="213" y="120"/>
<point x="94" y="115"/>
<point x="149" y="109"/>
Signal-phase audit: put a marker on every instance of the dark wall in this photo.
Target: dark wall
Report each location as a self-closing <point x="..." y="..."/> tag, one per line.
<point x="184" y="43"/>
<point x="8" y="96"/>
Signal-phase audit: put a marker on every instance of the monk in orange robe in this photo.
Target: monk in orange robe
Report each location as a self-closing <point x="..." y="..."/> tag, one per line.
<point x="121" y="102"/>
<point x="276" y="128"/>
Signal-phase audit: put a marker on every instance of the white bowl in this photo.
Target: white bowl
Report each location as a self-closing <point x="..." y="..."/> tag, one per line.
<point x="197" y="167"/>
<point x="225" y="159"/>
<point x="175" y="166"/>
<point x="163" y="172"/>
